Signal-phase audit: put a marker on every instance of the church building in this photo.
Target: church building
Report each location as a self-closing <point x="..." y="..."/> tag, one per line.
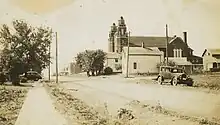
<point x="146" y="48"/>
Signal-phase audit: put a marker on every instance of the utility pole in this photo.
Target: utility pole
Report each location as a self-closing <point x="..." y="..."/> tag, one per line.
<point x="128" y="55"/>
<point x="49" y="62"/>
<point x="56" y="58"/>
<point x="167" y="45"/>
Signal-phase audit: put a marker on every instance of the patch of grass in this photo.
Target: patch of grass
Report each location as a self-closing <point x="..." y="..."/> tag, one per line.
<point x="211" y="81"/>
<point x="11" y="101"/>
<point x="157" y="108"/>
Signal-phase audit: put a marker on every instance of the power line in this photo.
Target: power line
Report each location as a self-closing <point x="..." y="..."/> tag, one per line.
<point x="56" y="58"/>
<point x="167" y="44"/>
<point x="128" y="55"/>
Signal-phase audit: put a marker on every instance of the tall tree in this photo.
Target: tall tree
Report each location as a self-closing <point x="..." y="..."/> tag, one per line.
<point x="24" y="47"/>
<point x="91" y="61"/>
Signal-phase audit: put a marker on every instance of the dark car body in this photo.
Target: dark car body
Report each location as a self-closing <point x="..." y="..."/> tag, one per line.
<point x="31" y="75"/>
<point x="174" y="75"/>
<point x="3" y="77"/>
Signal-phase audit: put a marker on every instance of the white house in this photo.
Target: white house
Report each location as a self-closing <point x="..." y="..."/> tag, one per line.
<point x="211" y="59"/>
<point x="141" y="60"/>
<point x="113" y="60"/>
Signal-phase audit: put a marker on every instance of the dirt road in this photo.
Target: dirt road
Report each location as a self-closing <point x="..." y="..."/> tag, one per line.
<point x="117" y="92"/>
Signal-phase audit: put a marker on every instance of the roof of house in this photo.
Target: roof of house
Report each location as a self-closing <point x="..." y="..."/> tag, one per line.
<point x="140" y="50"/>
<point x="149" y="41"/>
<point x="185" y="63"/>
<point x="212" y="51"/>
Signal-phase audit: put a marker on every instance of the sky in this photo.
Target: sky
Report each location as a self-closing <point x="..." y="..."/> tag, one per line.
<point x="84" y="24"/>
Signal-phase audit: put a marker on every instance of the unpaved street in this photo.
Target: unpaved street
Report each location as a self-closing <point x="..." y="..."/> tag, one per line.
<point x="117" y="92"/>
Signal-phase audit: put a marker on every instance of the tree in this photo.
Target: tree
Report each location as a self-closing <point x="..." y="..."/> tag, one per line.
<point x="24" y="48"/>
<point x="91" y="61"/>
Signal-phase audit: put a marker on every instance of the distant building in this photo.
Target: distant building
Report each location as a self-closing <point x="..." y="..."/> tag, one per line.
<point x="141" y="60"/>
<point x="211" y="59"/>
<point x="178" y="49"/>
<point x="74" y="68"/>
<point x="113" y="60"/>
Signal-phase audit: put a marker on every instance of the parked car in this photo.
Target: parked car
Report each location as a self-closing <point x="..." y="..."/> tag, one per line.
<point x="174" y="75"/>
<point x="30" y="75"/>
<point x="3" y="78"/>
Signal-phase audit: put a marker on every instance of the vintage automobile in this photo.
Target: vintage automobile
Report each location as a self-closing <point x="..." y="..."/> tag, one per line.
<point x="30" y="75"/>
<point x="173" y="75"/>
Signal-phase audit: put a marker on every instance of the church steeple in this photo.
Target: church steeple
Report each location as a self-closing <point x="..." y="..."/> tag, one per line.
<point x="118" y="36"/>
<point x="112" y="38"/>
<point x="122" y="29"/>
<point x="122" y="35"/>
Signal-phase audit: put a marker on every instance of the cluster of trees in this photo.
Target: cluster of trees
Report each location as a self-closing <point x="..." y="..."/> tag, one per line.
<point x="91" y="61"/>
<point x="24" y="48"/>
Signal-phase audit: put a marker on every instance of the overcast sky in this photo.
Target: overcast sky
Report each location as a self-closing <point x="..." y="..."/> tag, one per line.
<point x="84" y="24"/>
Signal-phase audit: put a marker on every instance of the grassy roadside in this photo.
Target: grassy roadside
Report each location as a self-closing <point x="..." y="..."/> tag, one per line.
<point x="76" y="110"/>
<point x="205" y="81"/>
<point x="11" y="101"/>
<point x="157" y="108"/>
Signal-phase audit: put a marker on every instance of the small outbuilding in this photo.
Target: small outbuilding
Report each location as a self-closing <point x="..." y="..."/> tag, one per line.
<point x="141" y="60"/>
<point x="211" y="59"/>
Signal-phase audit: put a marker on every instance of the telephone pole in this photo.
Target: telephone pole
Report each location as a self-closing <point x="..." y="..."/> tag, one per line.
<point x="49" y="63"/>
<point x="128" y="55"/>
<point x="56" y="58"/>
<point x="167" y="45"/>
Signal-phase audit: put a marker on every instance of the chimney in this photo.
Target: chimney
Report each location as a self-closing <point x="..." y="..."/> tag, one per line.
<point x="185" y="37"/>
<point x="142" y="45"/>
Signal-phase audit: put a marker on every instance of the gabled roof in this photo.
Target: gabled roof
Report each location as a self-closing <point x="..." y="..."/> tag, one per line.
<point x="140" y="50"/>
<point x="212" y="51"/>
<point x="149" y="41"/>
<point x="178" y="38"/>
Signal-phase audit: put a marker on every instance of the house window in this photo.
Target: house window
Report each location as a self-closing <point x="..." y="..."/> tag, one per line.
<point x="177" y="52"/>
<point x="116" y="60"/>
<point x="135" y="65"/>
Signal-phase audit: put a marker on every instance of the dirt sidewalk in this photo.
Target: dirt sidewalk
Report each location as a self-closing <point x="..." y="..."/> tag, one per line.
<point x="38" y="110"/>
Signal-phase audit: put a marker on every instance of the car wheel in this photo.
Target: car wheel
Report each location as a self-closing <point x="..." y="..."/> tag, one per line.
<point x="190" y="83"/>
<point x="159" y="80"/>
<point x="36" y="79"/>
<point x="174" y="81"/>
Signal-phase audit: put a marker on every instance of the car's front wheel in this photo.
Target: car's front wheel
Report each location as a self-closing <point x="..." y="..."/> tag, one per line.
<point x="36" y="79"/>
<point x="159" y="80"/>
<point x="174" y="81"/>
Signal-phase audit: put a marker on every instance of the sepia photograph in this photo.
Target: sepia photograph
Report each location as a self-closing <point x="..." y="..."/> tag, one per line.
<point x="109" y="62"/>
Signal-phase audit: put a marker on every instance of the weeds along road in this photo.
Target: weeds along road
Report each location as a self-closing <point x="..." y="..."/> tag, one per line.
<point x="186" y="101"/>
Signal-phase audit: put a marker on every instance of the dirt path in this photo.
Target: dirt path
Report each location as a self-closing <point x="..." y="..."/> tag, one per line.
<point x="38" y="110"/>
<point x="186" y="101"/>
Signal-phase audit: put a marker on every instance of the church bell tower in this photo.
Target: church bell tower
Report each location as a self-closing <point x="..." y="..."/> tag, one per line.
<point x="122" y="35"/>
<point x="111" y="40"/>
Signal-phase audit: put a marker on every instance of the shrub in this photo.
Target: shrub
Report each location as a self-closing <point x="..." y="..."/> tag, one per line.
<point x="118" y="66"/>
<point x="108" y="71"/>
<point x="170" y="63"/>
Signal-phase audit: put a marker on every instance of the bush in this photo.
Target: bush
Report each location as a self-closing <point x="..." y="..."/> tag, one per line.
<point x="118" y="66"/>
<point x="108" y="71"/>
<point x="215" y="69"/>
<point x="170" y="63"/>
